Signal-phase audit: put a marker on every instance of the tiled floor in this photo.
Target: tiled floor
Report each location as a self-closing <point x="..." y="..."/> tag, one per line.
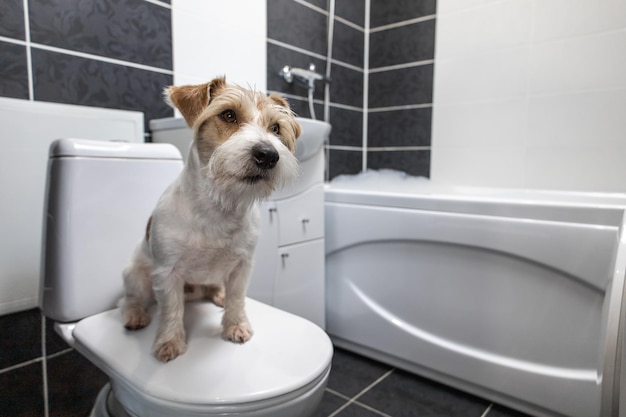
<point x="40" y="376"/>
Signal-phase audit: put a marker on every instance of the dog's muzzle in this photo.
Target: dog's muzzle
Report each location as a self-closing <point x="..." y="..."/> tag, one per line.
<point x="265" y="156"/>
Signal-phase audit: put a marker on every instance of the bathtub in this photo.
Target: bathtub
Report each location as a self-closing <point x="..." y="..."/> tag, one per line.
<point x="515" y="296"/>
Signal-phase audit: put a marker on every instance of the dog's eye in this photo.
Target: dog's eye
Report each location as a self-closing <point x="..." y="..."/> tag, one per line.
<point x="229" y="116"/>
<point x="275" y="129"/>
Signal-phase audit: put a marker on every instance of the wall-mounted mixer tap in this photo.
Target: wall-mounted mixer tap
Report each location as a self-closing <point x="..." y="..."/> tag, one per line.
<point x="305" y="76"/>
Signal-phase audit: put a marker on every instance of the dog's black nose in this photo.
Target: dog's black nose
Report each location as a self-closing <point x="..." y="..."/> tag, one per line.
<point x="265" y="156"/>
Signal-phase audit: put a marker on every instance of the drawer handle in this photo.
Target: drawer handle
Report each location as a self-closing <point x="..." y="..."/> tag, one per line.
<point x="272" y="211"/>
<point x="283" y="257"/>
<point x="304" y="223"/>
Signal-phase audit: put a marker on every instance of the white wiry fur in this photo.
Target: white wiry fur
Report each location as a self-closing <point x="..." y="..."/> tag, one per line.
<point x="202" y="234"/>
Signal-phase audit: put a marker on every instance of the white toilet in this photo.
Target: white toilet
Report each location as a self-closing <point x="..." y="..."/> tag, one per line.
<point x="98" y="198"/>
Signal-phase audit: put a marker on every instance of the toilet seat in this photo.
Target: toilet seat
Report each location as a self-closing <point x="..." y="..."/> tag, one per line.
<point x="287" y="358"/>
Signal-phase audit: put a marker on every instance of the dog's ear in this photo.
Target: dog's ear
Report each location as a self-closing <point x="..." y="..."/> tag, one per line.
<point x="191" y="100"/>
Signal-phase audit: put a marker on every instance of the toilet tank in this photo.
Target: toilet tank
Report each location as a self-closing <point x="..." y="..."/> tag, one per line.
<point x="99" y="196"/>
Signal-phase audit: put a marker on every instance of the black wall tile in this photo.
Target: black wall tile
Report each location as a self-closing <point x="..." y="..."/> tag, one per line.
<point x="278" y="57"/>
<point x="348" y="44"/>
<point x="129" y="30"/>
<point x="21" y="392"/>
<point x="344" y="162"/>
<point x="13" y="71"/>
<point x="384" y="12"/>
<point x="346" y="86"/>
<point x="73" y="80"/>
<point x="412" y="85"/>
<point x="12" y="19"/>
<point x="301" y="108"/>
<point x="73" y="385"/>
<point x="402" y="45"/>
<point x="322" y="4"/>
<point x="20" y="337"/>
<point x="347" y="127"/>
<point x="351" y="10"/>
<point x="412" y="162"/>
<point x="297" y="25"/>
<point x="411" y="127"/>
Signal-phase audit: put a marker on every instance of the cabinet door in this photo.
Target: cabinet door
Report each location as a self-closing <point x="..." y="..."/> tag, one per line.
<point x="300" y="283"/>
<point x="261" y="286"/>
<point x="302" y="216"/>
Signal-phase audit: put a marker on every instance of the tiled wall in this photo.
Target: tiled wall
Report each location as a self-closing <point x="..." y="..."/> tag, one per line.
<point x="104" y="53"/>
<point x="380" y="97"/>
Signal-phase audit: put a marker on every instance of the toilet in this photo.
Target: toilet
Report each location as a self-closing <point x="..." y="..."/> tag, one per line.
<point x="99" y="196"/>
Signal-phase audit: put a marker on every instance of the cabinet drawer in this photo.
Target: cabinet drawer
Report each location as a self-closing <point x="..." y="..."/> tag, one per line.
<point x="301" y="217"/>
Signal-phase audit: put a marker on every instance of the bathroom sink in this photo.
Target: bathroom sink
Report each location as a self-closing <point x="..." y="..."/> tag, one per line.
<point x="314" y="134"/>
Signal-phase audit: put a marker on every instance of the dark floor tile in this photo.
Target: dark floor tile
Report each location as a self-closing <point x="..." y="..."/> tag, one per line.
<point x="500" y="411"/>
<point x="351" y="373"/>
<point x="330" y="403"/>
<point x="356" y="410"/>
<point x="21" y="392"/>
<point x="54" y="342"/>
<point x="20" y="337"/>
<point x="405" y="395"/>
<point x="73" y="385"/>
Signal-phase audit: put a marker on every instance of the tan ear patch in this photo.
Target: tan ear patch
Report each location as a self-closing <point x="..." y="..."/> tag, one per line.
<point x="191" y="100"/>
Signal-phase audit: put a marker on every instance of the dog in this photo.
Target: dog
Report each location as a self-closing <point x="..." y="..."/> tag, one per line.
<point x="200" y="238"/>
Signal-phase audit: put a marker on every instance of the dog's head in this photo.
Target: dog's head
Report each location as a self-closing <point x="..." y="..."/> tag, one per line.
<point x="244" y="141"/>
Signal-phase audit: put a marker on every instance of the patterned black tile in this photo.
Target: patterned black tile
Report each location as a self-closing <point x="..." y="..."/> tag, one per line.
<point x="411" y="127"/>
<point x="131" y="30"/>
<point x="342" y="162"/>
<point x="21" y="392"/>
<point x="412" y="162"/>
<point x="351" y="10"/>
<point x="13" y="71"/>
<point x="348" y="44"/>
<point x="405" y="395"/>
<point x="412" y="85"/>
<point x="301" y="108"/>
<point x="297" y="25"/>
<point x="330" y="403"/>
<point x="384" y="12"/>
<point x="12" y="19"/>
<point x="322" y="4"/>
<point x="20" y="336"/>
<point x="74" y="80"/>
<point x="278" y="57"/>
<point x="73" y="385"/>
<point x="402" y="45"/>
<point x="352" y="373"/>
<point x="346" y="86"/>
<point x="347" y="127"/>
<point x="500" y="411"/>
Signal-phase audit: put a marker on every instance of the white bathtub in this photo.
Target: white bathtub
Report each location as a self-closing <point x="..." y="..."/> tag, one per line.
<point x="511" y="295"/>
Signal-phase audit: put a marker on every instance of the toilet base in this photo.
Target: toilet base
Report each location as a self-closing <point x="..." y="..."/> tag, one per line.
<point x="304" y="405"/>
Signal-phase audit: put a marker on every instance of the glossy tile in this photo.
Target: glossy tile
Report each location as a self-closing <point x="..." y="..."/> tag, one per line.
<point x="352" y="373"/>
<point x="21" y="392"/>
<point x="384" y="12"/>
<point x="405" y="44"/>
<point x="352" y="10"/>
<point x="404" y="395"/>
<point x="12" y="19"/>
<point x="348" y="44"/>
<point x="347" y="127"/>
<point x="344" y="162"/>
<point x="357" y="410"/>
<point x="411" y="127"/>
<point x="412" y="85"/>
<point x="297" y="25"/>
<point x="13" y="71"/>
<point x="410" y="161"/>
<point x="73" y="80"/>
<point x="73" y="385"/>
<point x="330" y="403"/>
<point x="20" y="336"/>
<point x="130" y="30"/>
<point x="346" y="86"/>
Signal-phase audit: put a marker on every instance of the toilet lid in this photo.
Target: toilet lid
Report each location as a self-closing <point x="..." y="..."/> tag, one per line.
<point x="285" y="353"/>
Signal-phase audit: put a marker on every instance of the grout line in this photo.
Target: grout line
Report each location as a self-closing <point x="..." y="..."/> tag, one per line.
<point x="349" y="23"/>
<point x="366" y="81"/>
<point x="403" y="66"/>
<point x="44" y="367"/>
<point x="365" y="390"/>
<point x="402" y="107"/>
<point x="29" y="58"/>
<point x="20" y="365"/>
<point x="295" y="48"/>
<point x="372" y="409"/>
<point x="344" y="148"/>
<point x="338" y="394"/>
<point x="329" y="59"/>
<point x="59" y="353"/>
<point x="398" y="148"/>
<point x="159" y="3"/>
<point x="311" y="6"/>
<point x="484" y="414"/>
<point x="403" y="23"/>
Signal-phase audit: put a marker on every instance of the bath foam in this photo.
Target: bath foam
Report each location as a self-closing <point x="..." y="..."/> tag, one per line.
<point x="385" y="180"/>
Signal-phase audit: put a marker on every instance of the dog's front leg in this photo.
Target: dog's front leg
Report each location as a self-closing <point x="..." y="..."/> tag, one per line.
<point x="235" y="324"/>
<point x="170" y="295"/>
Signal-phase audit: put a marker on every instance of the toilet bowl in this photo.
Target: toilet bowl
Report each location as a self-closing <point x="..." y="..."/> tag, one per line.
<point x="98" y="198"/>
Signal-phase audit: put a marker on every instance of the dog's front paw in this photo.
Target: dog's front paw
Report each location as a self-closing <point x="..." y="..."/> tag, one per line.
<point x="170" y="349"/>
<point x="136" y="318"/>
<point x="238" y="333"/>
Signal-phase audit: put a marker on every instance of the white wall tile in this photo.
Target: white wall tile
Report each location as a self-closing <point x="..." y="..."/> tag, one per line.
<point x="578" y="64"/>
<point x="453" y="6"/>
<point x="473" y="31"/>
<point x="595" y="118"/>
<point x="494" y="123"/>
<point x="564" y="18"/>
